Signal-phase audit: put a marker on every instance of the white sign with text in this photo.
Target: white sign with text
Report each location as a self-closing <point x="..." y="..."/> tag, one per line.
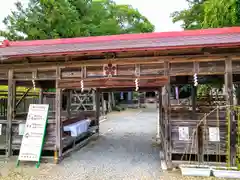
<point x="183" y="133"/>
<point x="34" y="132"/>
<point x="214" y="134"/>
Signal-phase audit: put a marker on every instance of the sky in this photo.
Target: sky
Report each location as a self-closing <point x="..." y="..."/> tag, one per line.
<point x="157" y="11"/>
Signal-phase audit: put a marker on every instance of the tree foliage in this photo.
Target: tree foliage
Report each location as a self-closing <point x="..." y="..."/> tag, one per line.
<point x="192" y="17"/>
<point x="210" y="14"/>
<point x="49" y="19"/>
<point x="220" y="13"/>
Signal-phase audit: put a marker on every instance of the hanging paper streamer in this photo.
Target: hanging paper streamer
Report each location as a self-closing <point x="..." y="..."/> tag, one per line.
<point x="121" y="96"/>
<point x="82" y="86"/>
<point x="195" y="79"/>
<point x="136" y="84"/>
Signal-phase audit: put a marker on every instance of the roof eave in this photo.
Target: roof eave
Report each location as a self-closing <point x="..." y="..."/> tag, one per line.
<point x="69" y="53"/>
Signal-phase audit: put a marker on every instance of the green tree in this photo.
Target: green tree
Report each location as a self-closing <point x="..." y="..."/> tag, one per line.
<point x="220" y="13"/>
<point x="192" y="17"/>
<point x="49" y="19"/>
<point x="209" y="14"/>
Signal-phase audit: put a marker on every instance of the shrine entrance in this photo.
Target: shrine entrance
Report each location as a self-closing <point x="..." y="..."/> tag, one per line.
<point x="82" y="69"/>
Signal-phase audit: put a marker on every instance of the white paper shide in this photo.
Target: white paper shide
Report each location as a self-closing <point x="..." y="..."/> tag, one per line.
<point x="214" y="134"/>
<point x="183" y="133"/>
<point x="33" y="132"/>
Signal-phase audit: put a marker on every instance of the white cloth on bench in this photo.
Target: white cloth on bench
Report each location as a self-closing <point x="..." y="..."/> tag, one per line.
<point x="77" y="128"/>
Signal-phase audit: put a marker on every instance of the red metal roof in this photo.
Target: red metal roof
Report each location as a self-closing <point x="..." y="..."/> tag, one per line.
<point x="142" y="41"/>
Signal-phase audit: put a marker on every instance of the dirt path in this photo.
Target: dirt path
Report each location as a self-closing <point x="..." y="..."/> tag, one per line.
<point x="124" y="150"/>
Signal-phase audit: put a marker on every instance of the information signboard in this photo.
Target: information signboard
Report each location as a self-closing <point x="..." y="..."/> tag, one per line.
<point x="183" y="133"/>
<point x="34" y="132"/>
<point x="214" y="134"/>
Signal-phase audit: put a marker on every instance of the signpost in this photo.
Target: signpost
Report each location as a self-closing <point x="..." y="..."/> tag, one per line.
<point x="34" y="132"/>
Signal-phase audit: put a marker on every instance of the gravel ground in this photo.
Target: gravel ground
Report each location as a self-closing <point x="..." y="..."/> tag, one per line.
<point x="125" y="150"/>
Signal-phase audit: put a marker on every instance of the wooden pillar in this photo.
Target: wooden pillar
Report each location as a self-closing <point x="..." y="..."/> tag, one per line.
<point x="69" y="103"/>
<point x="40" y="96"/>
<point x="194" y="101"/>
<point x="14" y="99"/>
<point x="10" y="109"/>
<point x="194" y="91"/>
<point x="160" y="112"/>
<point x="229" y="101"/>
<point x="167" y="117"/>
<point x="97" y="98"/>
<point x="94" y="100"/>
<point x="58" y="121"/>
<point x="113" y="99"/>
<point x="103" y="104"/>
<point x="109" y="102"/>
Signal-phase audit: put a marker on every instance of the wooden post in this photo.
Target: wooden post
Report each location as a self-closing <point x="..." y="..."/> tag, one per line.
<point x="58" y="120"/>
<point x="10" y="109"/>
<point x="40" y="96"/>
<point x="167" y="116"/>
<point x="194" y="91"/>
<point x="69" y="103"/>
<point x="14" y="100"/>
<point x="103" y="105"/>
<point x="94" y="100"/>
<point x="113" y="99"/>
<point x="229" y="100"/>
<point x="159" y="123"/>
<point x="194" y="100"/>
<point x="109" y="102"/>
<point x="97" y="98"/>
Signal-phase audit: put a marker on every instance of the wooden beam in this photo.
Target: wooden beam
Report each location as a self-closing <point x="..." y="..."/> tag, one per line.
<point x="128" y="89"/>
<point x="133" y="60"/>
<point x="113" y="84"/>
<point x="117" y="78"/>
